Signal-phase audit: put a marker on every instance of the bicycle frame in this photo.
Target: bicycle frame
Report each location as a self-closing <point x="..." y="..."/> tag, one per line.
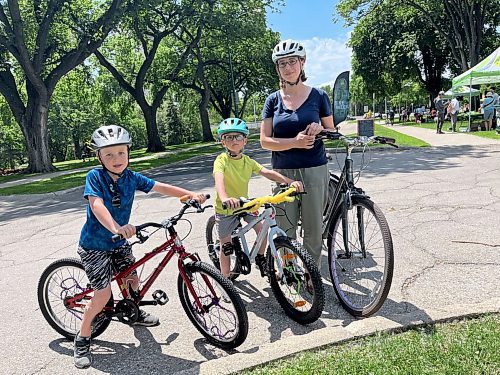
<point x="172" y="246"/>
<point x="343" y="194"/>
<point x="269" y="227"/>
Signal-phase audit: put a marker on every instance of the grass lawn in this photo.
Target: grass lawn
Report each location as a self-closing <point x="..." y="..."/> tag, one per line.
<point x="401" y="139"/>
<point x="492" y="134"/>
<point x="78" y="178"/>
<point x="461" y="347"/>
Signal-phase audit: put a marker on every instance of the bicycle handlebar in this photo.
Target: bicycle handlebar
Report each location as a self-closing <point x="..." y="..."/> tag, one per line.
<point x="188" y="202"/>
<point x="358" y="140"/>
<point x="254" y="204"/>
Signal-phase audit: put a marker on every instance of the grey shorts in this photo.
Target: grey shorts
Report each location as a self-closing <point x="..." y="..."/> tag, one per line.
<point x="488" y="115"/>
<point x="100" y="266"/>
<point x="227" y="223"/>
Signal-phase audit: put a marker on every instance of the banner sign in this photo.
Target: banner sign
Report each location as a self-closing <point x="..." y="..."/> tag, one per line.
<point x="341" y="98"/>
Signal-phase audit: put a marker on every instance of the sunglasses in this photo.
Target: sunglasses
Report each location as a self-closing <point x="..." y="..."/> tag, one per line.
<point x="115" y="199"/>
<point x="292" y="61"/>
<point x="234" y="137"/>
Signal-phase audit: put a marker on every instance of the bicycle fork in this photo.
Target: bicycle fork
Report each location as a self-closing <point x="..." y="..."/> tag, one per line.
<point x="345" y="227"/>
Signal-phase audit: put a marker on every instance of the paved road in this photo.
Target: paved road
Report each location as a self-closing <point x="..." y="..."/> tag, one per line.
<point x="442" y="205"/>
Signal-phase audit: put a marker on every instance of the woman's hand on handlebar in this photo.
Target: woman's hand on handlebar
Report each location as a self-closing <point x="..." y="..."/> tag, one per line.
<point x="231" y="203"/>
<point x="126" y="231"/>
<point x="313" y="129"/>
<point x="302" y="140"/>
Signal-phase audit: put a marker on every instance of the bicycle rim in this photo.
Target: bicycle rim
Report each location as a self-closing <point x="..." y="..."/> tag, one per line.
<point x="291" y="289"/>
<point x="61" y="280"/>
<point x="222" y="320"/>
<point x="213" y="240"/>
<point x="361" y="278"/>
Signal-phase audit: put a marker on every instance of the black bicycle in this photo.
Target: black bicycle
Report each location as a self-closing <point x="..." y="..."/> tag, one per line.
<point x="358" y="238"/>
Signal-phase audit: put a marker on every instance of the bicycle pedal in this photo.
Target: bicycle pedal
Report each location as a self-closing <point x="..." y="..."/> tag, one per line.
<point x="160" y="297"/>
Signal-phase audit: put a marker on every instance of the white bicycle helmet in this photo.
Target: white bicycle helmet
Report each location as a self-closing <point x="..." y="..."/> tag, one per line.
<point x="110" y="135"/>
<point x="288" y="48"/>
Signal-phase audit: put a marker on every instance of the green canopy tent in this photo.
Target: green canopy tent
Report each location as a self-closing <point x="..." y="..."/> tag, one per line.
<point x="487" y="71"/>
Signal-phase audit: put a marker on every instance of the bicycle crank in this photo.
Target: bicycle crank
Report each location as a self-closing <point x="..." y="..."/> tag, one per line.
<point x="127" y="311"/>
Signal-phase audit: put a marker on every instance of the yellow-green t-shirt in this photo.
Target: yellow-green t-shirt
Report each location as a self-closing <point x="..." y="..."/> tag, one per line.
<point x="237" y="174"/>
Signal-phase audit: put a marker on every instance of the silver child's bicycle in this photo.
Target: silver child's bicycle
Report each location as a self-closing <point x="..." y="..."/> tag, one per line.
<point x="294" y="277"/>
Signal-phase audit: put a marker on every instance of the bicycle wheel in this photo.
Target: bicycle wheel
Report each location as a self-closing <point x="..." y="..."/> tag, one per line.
<point x="62" y="280"/>
<point x="214" y="250"/>
<point x="223" y="319"/>
<point x="362" y="274"/>
<point x="291" y="290"/>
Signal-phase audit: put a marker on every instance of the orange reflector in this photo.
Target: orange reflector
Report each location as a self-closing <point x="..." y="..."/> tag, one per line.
<point x="299" y="303"/>
<point x="288" y="257"/>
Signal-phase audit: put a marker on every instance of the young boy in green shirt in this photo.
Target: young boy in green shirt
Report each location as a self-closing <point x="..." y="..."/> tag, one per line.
<point x="232" y="173"/>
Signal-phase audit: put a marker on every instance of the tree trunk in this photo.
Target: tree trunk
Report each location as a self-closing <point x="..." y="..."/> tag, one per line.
<point x="34" y="126"/>
<point x="205" y="121"/>
<point x="154" y="141"/>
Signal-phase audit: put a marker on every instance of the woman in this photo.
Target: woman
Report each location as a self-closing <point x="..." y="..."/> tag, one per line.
<point x="291" y="118"/>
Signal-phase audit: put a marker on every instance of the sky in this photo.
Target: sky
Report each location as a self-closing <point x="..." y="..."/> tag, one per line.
<point x="311" y="23"/>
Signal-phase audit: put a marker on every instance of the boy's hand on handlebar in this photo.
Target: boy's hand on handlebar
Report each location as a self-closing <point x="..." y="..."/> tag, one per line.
<point x="298" y="186"/>
<point x="126" y="231"/>
<point x="200" y="197"/>
<point x="231" y="203"/>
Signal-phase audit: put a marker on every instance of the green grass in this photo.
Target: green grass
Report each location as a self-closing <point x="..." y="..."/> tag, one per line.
<point x="401" y="139"/>
<point x="431" y="125"/>
<point x="71" y="180"/>
<point x="463" y="347"/>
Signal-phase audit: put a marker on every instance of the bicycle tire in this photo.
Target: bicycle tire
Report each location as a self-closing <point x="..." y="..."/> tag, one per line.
<point x="295" y="281"/>
<point x="361" y="282"/>
<point x="212" y="240"/>
<point x="198" y="273"/>
<point x="50" y="298"/>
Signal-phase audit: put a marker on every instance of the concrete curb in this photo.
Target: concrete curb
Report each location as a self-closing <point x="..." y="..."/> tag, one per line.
<point x="336" y="335"/>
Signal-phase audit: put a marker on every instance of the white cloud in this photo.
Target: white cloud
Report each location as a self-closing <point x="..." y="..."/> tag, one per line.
<point x="326" y="59"/>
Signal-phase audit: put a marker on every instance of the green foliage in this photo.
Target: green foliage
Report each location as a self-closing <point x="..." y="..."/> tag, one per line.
<point x="12" y="150"/>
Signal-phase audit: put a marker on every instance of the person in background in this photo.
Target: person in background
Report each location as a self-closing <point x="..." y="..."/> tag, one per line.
<point x="488" y="109"/>
<point x="441" y="111"/>
<point x="496" y="111"/>
<point x="454" y="109"/>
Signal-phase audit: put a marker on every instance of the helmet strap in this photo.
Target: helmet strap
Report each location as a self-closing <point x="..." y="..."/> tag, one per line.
<point x="232" y="154"/>
<point x="283" y="82"/>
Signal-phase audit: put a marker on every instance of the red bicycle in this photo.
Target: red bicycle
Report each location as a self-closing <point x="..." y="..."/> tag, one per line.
<point x="210" y="300"/>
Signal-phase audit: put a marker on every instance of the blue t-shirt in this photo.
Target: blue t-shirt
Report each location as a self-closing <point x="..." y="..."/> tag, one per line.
<point x="288" y="123"/>
<point x="94" y="235"/>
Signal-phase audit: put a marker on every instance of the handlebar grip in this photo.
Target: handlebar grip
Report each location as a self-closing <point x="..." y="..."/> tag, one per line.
<point x="116" y="237"/>
<point x="225" y="207"/>
<point x="329" y="135"/>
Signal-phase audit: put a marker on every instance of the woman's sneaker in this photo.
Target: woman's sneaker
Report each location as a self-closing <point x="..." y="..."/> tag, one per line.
<point x="147" y="319"/>
<point x="82" y="355"/>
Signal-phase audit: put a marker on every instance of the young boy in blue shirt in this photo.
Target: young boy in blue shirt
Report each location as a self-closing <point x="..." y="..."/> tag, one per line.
<point x="232" y="172"/>
<point x="110" y="191"/>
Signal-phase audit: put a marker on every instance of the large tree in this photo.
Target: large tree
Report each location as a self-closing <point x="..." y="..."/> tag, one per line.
<point x="154" y="44"/>
<point x="40" y="42"/>
<point x="403" y="46"/>
<point x="462" y="24"/>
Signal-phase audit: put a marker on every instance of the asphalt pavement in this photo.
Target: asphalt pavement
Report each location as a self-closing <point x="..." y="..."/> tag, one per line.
<point x="442" y="206"/>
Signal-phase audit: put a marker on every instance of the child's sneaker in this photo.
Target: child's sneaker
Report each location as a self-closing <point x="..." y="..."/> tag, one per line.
<point x="261" y="263"/>
<point x="82" y="355"/>
<point x="147" y="319"/>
